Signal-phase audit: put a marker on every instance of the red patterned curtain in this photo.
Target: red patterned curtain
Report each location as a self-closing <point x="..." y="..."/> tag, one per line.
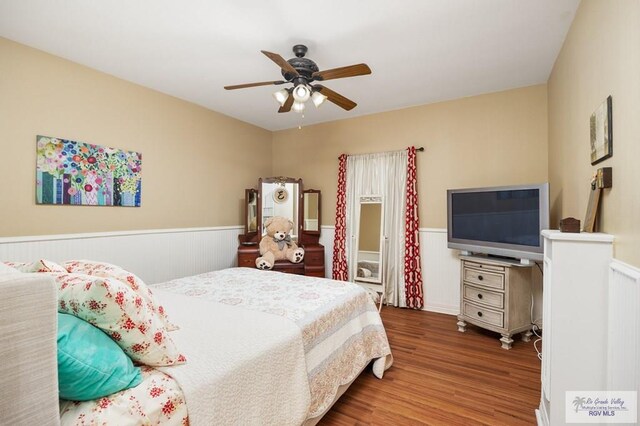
<point x="339" y="249"/>
<point x="412" y="268"/>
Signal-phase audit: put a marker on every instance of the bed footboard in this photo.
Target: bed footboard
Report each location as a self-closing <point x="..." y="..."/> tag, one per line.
<point x="28" y="360"/>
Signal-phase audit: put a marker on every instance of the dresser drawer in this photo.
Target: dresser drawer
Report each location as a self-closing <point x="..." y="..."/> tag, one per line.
<point x="314" y="257"/>
<point x="483" y="266"/>
<point x="484" y="278"/>
<point x="485" y="297"/>
<point x="314" y="271"/>
<point x="479" y="313"/>
<point x="247" y="260"/>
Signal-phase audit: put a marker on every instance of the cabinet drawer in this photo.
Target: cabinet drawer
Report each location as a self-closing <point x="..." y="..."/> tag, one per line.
<point x="314" y="272"/>
<point x="479" y="313"/>
<point x="484" y="278"/>
<point x="484" y="266"/>
<point x="484" y="297"/>
<point x="315" y="257"/>
<point x="247" y="261"/>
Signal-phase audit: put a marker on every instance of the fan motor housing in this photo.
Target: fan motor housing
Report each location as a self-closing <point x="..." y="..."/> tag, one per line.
<point x="305" y="67"/>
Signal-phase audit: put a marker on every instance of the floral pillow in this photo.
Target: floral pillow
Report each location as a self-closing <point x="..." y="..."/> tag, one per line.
<point x="115" y="308"/>
<point x="41" y="265"/>
<point x="107" y="270"/>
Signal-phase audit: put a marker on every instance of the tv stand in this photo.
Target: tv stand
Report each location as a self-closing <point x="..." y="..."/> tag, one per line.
<point x="495" y="294"/>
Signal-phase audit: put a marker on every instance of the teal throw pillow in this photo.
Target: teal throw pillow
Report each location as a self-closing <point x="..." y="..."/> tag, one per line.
<point x="90" y="364"/>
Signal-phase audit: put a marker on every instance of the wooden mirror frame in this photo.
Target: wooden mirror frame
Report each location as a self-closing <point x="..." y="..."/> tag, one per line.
<point x="310" y="237"/>
<point x="279" y="179"/>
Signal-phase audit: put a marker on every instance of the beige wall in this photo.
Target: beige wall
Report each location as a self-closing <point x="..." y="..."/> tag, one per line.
<point x="195" y="162"/>
<point x="600" y="57"/>
<point x="494" y="139"/>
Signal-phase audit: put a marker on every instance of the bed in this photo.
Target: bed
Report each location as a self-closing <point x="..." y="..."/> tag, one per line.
<point x="262" y="347"/>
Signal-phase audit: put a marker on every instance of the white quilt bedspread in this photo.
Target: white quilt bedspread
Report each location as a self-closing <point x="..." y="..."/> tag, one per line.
<point x="233" y="355"/>
<point x="340" y="326"/>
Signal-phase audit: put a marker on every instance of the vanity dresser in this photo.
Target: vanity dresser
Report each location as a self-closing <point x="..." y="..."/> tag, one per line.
<point x="286" y="197"/>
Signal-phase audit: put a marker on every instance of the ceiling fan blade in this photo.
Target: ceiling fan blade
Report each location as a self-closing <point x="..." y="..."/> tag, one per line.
<point x="262" y="83"/>
<point x="281" y="62"/>
<point x="342" y="72"/>
<point x="336" y="98"/>
<point x="287" y="105"/>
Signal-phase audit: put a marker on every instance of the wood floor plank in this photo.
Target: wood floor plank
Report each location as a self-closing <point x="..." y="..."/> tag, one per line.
<point x="443" y="377"/>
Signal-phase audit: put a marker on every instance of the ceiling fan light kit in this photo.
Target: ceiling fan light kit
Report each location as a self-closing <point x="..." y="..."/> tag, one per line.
<point x="301" y="72"/>
<point x="301" y="93"/>
<point x="318" y="99"/>
<point x="281" y="96"/>
<point x="298" y="107"/>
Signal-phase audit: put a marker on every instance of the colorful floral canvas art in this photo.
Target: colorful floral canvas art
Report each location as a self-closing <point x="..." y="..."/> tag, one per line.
<point x="79" y="173"/>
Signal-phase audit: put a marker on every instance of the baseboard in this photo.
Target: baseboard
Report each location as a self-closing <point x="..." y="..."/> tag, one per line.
<point x="442" y="309"/>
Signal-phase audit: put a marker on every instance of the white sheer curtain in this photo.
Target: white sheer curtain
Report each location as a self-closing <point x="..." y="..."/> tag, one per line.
<point x="382" y="174"/>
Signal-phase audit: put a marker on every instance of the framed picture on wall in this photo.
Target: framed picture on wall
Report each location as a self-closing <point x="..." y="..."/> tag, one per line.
<point x="601" y="132"/>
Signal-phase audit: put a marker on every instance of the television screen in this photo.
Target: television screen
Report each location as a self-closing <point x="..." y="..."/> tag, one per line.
<point x="510" y="217"/>
<point x="504" y="221"/>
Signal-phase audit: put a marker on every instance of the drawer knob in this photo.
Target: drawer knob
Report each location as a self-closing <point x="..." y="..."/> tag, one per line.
<point x="479" y="296"/>
<point x="480" y="278"/>
<point x="479" y="314"/>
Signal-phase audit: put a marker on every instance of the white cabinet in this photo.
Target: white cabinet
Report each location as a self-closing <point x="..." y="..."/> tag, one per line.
<point x="496" y="295"/>
<point x="574" y="318"/>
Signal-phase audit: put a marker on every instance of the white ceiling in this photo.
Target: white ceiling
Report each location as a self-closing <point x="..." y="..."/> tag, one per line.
<point x="420" y="51"/>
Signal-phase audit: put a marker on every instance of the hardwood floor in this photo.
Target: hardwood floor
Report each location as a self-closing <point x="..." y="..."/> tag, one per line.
<point x="443" y="377"/>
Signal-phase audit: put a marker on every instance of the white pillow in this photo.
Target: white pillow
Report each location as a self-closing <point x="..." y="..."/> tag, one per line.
<point x="7" y="270"/>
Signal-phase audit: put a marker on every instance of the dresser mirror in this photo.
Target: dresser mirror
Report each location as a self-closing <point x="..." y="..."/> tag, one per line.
<point x="279" y="196"/>
<point x="251" y="211"/>
<point x="311" y="216"/>
<point x="370" y="240"/>
<point x="311" y="210"/>
<point x="283" y="196"/>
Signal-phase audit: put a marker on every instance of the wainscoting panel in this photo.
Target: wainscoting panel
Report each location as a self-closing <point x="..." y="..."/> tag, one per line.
<point x="154" y="255"/>
<point x="440" y="268"/>
<point x="326" y="239"/>
<point x="623" y="357"/>
<point x="440" y="272"/>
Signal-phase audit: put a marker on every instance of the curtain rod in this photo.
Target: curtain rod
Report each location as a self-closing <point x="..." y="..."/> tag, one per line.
<point x="421" y="149"/>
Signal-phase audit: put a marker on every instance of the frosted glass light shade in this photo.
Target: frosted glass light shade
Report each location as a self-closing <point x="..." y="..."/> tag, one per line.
<point x="318" y="99"/>
<point x="281" y="96"/>
<point x="301" y="93"/>
<point x="298" y="106"/>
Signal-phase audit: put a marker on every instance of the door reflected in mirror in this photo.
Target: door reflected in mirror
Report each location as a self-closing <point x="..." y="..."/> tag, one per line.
<point x="311" y="210"/>
<point x="280" y="199"/>
<point x="369" y="259"/>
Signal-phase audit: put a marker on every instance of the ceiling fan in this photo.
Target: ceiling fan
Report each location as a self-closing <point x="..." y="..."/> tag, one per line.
<point x="301" y="72"/>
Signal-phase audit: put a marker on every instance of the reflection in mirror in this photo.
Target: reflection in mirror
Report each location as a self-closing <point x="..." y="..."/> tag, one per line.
<point x="280" y="199"/>
<point x="369" y="259"/>
<point x="311" y="222"/>
<point x="251" y="198"/>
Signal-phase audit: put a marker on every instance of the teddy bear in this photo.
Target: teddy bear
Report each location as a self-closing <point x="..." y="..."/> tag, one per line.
<point x="277" y="244"/>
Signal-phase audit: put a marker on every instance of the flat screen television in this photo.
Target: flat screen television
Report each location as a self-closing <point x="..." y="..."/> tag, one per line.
<point x="503" y="221"/>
